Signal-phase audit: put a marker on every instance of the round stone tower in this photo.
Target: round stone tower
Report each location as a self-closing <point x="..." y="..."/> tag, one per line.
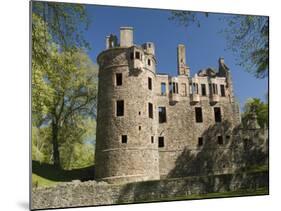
<point x="126" y="146"/>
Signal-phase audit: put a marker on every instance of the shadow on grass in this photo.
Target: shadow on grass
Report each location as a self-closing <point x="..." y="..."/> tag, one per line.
<point x="49" y="172"/>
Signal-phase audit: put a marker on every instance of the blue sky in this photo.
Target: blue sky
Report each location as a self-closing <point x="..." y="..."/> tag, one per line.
<point x="204" y="45"/>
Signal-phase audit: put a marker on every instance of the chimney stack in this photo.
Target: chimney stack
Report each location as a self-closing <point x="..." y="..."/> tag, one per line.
<point x="126" y="36"/>
<point x="183" y="69"/>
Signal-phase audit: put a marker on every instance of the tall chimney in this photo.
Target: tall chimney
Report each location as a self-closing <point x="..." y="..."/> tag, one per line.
<point x="183" y="69"/>
<point x="126" y="36"/>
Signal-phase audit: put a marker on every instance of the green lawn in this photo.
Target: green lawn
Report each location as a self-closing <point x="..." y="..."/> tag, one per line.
<point x="47" y="175"/>
<point x="38" y="181"/>
<point x="257" y="168"/>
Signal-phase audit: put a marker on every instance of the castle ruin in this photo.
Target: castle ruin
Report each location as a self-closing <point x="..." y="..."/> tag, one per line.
<point x="152" y="126"/>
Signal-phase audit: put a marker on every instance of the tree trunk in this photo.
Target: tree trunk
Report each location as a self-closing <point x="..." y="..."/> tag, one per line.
<point x="56" y="153"/>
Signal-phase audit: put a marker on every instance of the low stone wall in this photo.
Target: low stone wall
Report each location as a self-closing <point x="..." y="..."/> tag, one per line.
<point x="92" y="193"/>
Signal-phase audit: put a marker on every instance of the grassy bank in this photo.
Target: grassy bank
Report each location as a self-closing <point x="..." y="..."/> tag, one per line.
<point x="38" y="181"/>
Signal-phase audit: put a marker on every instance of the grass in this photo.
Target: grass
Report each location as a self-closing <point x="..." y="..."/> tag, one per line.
<point x="257" y="168"/>
<point x="45" y="175"/>
<point x="38" y="181"/>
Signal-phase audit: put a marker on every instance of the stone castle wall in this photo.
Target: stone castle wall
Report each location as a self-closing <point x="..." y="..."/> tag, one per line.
<point x="117" y="161"/>
<point x="142" y="157"/>
<point x="181" y="131"/>
<point x="92" y="193"/>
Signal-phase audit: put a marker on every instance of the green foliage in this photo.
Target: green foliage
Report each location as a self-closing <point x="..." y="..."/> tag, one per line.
<point x="41" y="148"/>
<point x="77" y="144"/>
<point x="64" y="85"/>
<point x="78" y="156"/>
<point x="69" y="96"/>
<point x="248" y="38"/>
<point x="38" y="181"/>
<point x="72" y="81"/>
<point x="260" y="108"/>
<point x="187" y="18"/>
<point x="66" y="22"/>
<point x="40" y="64"/>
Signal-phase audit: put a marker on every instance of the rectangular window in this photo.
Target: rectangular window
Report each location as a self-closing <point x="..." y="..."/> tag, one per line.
<point x="198" y="114"/>
<point x="222" y="90"/>
<point x="161" y="141"/>
<point x="162" y="114"/>
<point x="203" y="89"/>
<point x="149" y="62"/>
<point x="124" y="139"/>
<point x="150" y="110"/>
<point x="217" y="112"/>
<point x="120" y="108"/>
<point x="118" y="79"/>
<point x="200" y="141"/>
<point x="170" y="88"/>
<point x="152" y="139"/>
<point x="220" y="140"/>
<point x="150" y="83"/>
<point x="215" y="88"/>
<point x="137" y="55"/>
<point x="174" y="88"/>
<point x="131" y="55"/>
<point x="163" y="88"/>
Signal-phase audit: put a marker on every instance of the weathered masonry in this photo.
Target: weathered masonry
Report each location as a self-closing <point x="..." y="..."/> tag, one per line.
<point x="152" y="125"/>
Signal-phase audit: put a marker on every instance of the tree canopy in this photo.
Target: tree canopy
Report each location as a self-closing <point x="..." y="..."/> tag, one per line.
<point x="259" y="107"/>
<point x="64" y="85"/>
<point x="66" y="22"/>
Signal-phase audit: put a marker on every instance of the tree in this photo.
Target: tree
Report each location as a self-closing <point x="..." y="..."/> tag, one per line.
<point x="72" y="85"/>
<point x="247" y="37"/>
<point x="64" y="79"/>
<point x="59" y="24"/>
<point x="260" y="108"/>
<point x="41" y="48"/>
